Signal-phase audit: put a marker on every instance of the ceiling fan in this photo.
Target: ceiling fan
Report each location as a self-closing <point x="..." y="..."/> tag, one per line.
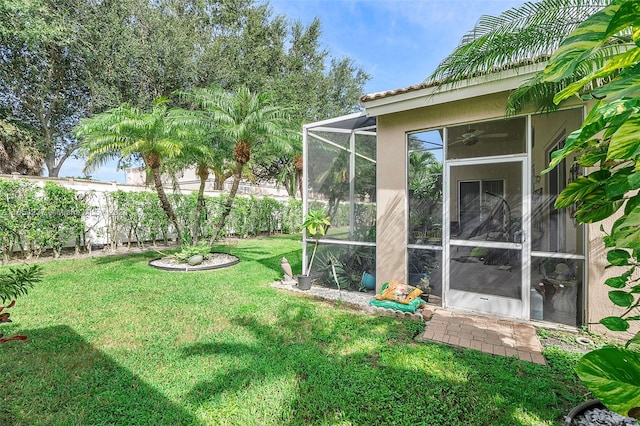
<point x="473" y="136"/>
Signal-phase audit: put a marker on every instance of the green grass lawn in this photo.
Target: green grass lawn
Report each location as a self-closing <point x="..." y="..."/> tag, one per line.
<point x="115" y="342"/>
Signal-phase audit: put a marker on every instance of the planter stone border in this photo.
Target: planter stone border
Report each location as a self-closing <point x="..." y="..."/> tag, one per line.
<point x="166" y="264"/>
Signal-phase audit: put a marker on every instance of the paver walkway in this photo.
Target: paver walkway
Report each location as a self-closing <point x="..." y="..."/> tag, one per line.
<point x="490" y="335"/>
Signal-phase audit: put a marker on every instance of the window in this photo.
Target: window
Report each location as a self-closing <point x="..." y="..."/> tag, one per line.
<point x="425" y="151"/>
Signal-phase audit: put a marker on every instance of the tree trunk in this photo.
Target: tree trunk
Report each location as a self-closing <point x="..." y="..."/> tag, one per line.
<point x="164" y="201"/>
<point x="299" y="166"/>
<point x="218" y="184"/>
<point x="203" y="174"/>
<point x="229" y="203"/>
<point x="50" y="156"/>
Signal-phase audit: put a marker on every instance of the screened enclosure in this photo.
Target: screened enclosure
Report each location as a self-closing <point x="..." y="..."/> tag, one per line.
<point x="339" y="178"/>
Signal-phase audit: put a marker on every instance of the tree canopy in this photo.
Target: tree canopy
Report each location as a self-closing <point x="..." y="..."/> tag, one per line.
<point x="63" y="60"/>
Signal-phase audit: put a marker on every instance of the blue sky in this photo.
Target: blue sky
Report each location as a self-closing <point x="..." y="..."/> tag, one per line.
<point x="398" y="42"/>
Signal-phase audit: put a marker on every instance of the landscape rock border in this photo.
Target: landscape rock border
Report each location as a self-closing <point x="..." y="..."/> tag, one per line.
<point x="218" y="260"/>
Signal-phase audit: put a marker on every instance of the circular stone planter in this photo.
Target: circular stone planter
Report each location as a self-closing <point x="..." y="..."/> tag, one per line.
<point x="216" y="261"/>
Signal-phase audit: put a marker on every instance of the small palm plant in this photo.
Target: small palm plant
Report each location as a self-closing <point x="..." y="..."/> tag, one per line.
<point x="14" y="283"/>
<point x="315" y="226"/>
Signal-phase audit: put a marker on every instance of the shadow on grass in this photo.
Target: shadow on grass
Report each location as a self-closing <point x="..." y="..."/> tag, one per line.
<point x="266" y="258"/>
<point x="391" y="381"/>
<point x="129" y="258"/>
<point x="56" y="377"/>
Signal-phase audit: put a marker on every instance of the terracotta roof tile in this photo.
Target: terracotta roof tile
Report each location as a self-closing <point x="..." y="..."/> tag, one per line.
<point x="435" y="83"/>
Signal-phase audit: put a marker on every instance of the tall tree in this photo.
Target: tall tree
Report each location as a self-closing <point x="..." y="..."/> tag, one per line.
<point x="314" y="91"/>
<point x="206" y="150"/>
<point x="251" y="121"/>
<point x="62" y="60"/>
<point x="127" y="133"/>
<point x="41" y="74"/>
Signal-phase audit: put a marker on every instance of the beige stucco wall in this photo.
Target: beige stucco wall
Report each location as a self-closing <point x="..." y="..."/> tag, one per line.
<point x="391" y="225"/>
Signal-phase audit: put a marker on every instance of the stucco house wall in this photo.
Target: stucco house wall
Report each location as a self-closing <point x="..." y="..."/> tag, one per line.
<point x="391" y="224"/>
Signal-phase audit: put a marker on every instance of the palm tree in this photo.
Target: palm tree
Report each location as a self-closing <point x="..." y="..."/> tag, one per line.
<point x="127" y="133"/>
<point x="205" y="149"/>
<point x="527" y="34"/>
<point x="251" y="121"/>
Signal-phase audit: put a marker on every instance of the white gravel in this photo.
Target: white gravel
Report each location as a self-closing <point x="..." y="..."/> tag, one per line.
<point x="602" y="416"/>
<point x="215" y="260"/>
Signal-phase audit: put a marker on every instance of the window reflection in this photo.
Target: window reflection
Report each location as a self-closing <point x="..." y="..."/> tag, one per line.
<point x="425" y="272"/>
<point x="497" y="137"/>
<point x="425" y="187"/>
<point x="556" y="290"/>
<point x="553" y="230"/>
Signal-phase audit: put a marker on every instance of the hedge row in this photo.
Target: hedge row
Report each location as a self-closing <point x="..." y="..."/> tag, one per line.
<point x="34" y="218"/>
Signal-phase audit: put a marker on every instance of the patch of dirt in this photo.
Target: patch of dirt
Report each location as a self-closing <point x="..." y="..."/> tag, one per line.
<point x="574" y="342"/>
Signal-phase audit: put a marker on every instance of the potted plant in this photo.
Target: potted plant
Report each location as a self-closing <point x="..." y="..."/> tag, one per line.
<point x="315" y="225"/>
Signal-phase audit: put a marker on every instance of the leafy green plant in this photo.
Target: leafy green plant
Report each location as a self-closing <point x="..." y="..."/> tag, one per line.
<point x="14" y="283"/>
<point x="316" y="223"/>
<point x="202" y="249"/>
<point x="348" y="264"/>
<point x="608" y="140"/>
<point x="315" y="226"/>
<point x="17" y="281"/>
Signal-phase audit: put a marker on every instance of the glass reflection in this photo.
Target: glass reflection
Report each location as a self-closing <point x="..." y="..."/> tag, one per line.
<point x="486" y="270"/>
<point x="425" y="187"/>
<point x="497" y="137"/>
<point x="553" y="230"/>
<point x="556" y="290"/>
<point x="425" y="272"/>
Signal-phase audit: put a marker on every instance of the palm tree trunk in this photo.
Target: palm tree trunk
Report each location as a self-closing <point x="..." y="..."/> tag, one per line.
<point x="229" y="203"/>
<point x="299" y="166"/>
<point x="218" y="184"/>
<point x="203" y="174"/>
<point x="164" y="201"/>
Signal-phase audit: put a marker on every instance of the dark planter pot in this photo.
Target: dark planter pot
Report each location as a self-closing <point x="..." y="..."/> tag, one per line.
<point x="304" y="282"/>
<point x="578" y="412"/>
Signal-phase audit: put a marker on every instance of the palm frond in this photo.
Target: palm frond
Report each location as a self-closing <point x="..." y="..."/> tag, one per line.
<point x="530" y="32"/>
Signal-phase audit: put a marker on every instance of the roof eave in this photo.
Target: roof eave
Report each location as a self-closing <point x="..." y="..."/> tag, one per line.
<point x="403" y="100"/>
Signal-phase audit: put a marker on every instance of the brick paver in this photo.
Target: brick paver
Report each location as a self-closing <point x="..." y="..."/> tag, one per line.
<point x="489" y="335"/>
